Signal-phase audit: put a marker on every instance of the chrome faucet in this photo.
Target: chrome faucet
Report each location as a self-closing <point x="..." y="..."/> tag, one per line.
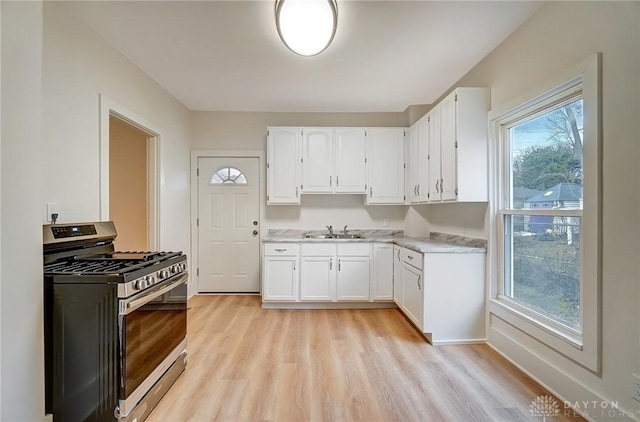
<point x="330" y="228"/>
<point x="345" y="230"/>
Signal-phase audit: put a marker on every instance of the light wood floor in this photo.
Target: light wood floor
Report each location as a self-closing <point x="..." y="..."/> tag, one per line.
<point x="246" y="363"/>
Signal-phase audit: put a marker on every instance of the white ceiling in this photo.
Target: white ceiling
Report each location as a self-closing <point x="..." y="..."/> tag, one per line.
<point x="226" y="55"/>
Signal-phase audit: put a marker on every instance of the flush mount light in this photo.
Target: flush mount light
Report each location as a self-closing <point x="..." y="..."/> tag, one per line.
<point x="306" y="27"/>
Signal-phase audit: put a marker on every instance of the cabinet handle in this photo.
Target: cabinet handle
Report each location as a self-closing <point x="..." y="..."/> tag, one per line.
<point x="370" y="191"/>
<point x="441" y="188"/>
<point x="415" y="190"/>
<point x="296" y="191"/>
<point x="419" y="286"/>
<point x="337" y="181"/>
<point x="437" y="181"/>
<point x="398" y="255"/>
<point x="409" y="256"/>
<point x="294" y="265"/>
<point x="418" y="189"/>
<point x="331" y="263"/>
<point x="281" y="250"/>
<point x="330" y="181"/>
<point x="339" y="265"/>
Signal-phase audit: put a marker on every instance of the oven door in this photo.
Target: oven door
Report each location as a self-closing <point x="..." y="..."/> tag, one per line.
<point x="153" y="330"/>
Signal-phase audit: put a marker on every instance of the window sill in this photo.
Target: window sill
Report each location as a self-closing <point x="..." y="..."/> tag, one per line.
<point x="562" y="341"/>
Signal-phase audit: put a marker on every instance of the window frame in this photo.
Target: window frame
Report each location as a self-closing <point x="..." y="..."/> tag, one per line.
<point x="581" y="345"/>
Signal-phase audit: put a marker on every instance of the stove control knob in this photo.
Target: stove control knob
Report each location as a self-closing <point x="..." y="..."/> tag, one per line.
<point x="174" y="269"/>
<point x="183" y="266"/>
<point x="163" y="274"/>
<point x="150" y="280"/>
<point x="139" y="284"/>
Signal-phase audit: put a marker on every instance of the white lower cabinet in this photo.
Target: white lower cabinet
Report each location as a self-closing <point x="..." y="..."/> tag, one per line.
<point x="328" y="272"/>
<point x="318" y="272"/>
<point x="443" y="295"/>
<point x="412" y="294"/>
<point x="280" y="273"/>
<point x="397" y="275"/>
<point x="382" y="277"/>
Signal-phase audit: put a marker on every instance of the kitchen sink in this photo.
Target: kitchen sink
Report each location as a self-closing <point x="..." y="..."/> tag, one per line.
<point x="333" y="236"/>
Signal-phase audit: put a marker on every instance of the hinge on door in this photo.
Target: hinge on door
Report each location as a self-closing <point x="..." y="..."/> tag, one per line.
<point x="197" y="222"/>
<point x="428" y="118"/>
<point x="198" y="271"/>
<point x="405" y="197"/>
<point x="405" y="165"/>
<point x="456" y="97"/>
<point x="456" y="144"/>
<point x="365" y="133"/>
<point x="456" y="191"/>
<point x="405" y="133"/>
<point x="267" y="197"/>
<point x="267" y="133"/>
<point x="428" y="156"/>
<point x="365" y="159"/>
<point x="197" y="172"/>
<point x="301" y="187"/>
<point x="302" y="160"/>
<point x="428" y="195"/>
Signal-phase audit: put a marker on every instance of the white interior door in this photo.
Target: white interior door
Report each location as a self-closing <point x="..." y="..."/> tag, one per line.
<point x="228" y="232"/>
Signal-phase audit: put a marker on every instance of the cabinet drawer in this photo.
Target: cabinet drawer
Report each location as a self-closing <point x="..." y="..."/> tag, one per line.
<point x="281" y="249"/>
<point x="318" y="249"/>
<point x="412" y="258"/>
<point x="354" y="249"/>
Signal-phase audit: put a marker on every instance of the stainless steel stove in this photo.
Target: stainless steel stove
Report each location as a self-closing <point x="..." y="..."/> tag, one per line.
<point x="115" y="324"/>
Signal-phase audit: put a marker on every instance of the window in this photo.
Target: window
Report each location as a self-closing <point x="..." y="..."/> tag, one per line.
<point x="228" y="175"/>
<point x="544" y="174"/>
<point x="546" y="259"/>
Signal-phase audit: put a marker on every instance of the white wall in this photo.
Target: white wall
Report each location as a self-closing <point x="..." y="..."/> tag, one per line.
<point x="78" y="65"/>
<point x="558" y="36"/>
<point x="21" y="303"/>
<point x="248" y="131"/>
<point x="53" y="69"/>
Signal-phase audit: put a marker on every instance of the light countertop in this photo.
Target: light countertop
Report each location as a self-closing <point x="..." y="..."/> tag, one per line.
<point x="436" y="243"/>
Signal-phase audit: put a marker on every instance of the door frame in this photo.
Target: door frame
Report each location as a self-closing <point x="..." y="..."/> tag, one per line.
<point x="109" y="107"/>
<point x="262" y="199"/>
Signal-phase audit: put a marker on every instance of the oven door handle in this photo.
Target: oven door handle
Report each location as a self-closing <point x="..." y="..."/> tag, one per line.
<point x="128" y="306"/>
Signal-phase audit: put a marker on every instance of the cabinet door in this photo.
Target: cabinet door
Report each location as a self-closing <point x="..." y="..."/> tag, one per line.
<point x="353" y="278"/>
<point x="317" y="160"/>
<point x="412" y="295"/>
<point x="397" y="275"/>
<point x="383" y="272"/>
<point x="283" y="165"/>
<point x="414" y="162"/>
<point x="280" y="278"/>
<point x="423" y="159"/>
<point x="434" y="154"/>
<point x="385" y="165"/>
<point x="350" y="160"/>
<point x="448" y="148"/>
<point x="317" y="278"/>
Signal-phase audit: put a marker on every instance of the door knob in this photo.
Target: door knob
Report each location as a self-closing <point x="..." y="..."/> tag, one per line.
<point x="255" y="232"/>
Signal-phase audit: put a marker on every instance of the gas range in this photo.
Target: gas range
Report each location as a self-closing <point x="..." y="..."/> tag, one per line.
<point x="115" y="324"/>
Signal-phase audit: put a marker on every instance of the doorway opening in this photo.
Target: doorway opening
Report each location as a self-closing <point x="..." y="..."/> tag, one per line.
<point x="129" y="180"/>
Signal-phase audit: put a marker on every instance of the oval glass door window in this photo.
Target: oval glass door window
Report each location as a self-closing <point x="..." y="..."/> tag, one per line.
<point x="228" y="175"/>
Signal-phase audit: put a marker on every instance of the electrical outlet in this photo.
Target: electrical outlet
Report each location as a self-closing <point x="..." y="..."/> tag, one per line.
<point x="385" y="222"/>
<point x="635" y="386"/>
<point x="50" y="208"/>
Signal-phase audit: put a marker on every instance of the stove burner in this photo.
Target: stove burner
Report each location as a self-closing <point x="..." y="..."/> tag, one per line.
<point x="114" y="263"/>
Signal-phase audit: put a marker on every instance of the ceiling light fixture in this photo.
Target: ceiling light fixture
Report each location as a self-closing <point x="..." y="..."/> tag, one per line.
<point x="306" y="27"/>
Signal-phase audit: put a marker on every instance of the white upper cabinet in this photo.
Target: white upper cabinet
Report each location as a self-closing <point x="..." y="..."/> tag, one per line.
<point x="458" y="162"/>
<point x="317" y="160"/>
<point x="385" y="165"/>
<point x="435" y="133"/>
<point x="333" y="160"/>
<point x="422" y="160"/>
<point x="283" y="165"/>
<point x="350" y="171"/>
